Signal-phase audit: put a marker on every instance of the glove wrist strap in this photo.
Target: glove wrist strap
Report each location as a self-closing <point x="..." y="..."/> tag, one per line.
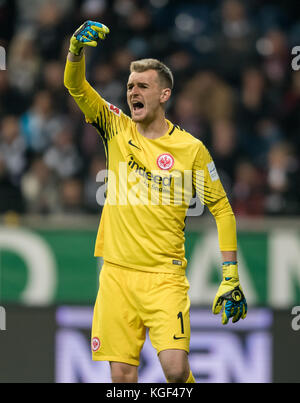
<point x="230" y="270"/>
<point x="229" y="263"/>
<point x="75" y="47"/>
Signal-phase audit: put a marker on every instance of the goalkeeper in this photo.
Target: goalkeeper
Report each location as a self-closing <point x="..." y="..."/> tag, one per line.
<point x="142" y="281"/>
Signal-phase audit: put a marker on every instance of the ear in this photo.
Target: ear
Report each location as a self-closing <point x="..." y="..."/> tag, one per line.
<point x="165" y="95"/>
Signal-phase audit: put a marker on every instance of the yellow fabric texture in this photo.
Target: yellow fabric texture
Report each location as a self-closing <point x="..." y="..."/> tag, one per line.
<point x="128" y="302"/>
<point x="226" y="224"/>
<point x="191" y="378"/>
<point x="143" y="218"/>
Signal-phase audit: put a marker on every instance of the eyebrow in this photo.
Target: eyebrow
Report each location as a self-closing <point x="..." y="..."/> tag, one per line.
<point x="138" y="83"/>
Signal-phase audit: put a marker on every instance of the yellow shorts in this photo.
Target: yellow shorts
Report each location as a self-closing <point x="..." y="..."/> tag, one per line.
<point x="130" y="301"/>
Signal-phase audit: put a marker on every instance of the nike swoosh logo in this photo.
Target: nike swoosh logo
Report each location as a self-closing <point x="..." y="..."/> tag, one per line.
<point x="178" y="338"/>
<point x="131" y="143"/>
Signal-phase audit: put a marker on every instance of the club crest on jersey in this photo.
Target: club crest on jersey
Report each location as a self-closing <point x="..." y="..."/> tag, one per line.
<point x="95" y="344"/>
<point x="165" y="161"/>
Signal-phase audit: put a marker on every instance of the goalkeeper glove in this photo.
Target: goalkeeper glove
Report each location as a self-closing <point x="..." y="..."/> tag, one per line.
<point x="88" y="34"/>
<point x="230" y="295"/>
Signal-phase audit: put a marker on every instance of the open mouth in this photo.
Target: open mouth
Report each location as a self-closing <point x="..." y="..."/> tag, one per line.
<point x="137" y="106"/>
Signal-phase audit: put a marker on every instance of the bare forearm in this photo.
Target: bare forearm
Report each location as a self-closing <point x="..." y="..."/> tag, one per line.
<point x="74" y="58"/>
<point x="229" y="256"/>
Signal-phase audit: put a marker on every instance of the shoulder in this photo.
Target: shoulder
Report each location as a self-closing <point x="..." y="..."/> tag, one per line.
<point x="182" y="136"/>
<point x="115" y="111"/>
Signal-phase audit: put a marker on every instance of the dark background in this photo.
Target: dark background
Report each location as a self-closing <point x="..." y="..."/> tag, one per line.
<point x="234" y="89"/>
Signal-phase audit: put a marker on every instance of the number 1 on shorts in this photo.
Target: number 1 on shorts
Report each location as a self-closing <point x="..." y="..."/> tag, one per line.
<point x="179" y="316"/>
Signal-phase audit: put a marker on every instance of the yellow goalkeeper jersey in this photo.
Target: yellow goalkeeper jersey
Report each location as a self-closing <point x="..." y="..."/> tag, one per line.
<point x="149" y="184"/>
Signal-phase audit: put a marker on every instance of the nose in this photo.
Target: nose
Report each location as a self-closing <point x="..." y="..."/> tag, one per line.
<point x="134" y="90"/>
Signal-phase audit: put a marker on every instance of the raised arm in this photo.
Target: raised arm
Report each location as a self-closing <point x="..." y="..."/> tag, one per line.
<point x="88" y="100"/>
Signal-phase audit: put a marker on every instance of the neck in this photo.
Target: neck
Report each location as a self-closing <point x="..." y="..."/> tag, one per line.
<point x="154" y="129"/>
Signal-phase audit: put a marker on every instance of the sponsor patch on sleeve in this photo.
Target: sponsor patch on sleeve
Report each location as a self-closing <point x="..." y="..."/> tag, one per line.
<point x="212" y="171"/>
<point x="114" y="109"/>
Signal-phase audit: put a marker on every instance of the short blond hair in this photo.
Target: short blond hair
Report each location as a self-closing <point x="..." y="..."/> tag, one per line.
<point x="164" y="73"/>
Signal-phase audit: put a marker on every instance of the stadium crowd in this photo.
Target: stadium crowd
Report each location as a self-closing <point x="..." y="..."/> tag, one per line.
<point x="235" y="90"/>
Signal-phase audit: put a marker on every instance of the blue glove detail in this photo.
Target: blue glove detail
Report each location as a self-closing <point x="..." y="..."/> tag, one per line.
<point x="88" y="34"/>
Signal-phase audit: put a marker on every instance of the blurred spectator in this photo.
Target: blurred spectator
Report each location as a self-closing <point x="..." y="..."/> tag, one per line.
<point x="181" y="64"/>
<point x="63" y="157"/>
<point x="40" y="188"/>
<point x="7" y="14"/>
<point x="283" y="181"/>
<point x="139" y="32"/>
<point x="90" y="142"/>
<point x="121" y="60"/>
<point x="52" y="82"/>
<point x="139" y="21"/>
<point x="276" y="56"/>
<point x="24" y="62"/>
<point x="253" y="92"/>
<point x="29" y="9"/>
<point x="12" y="148"/>
<point x="40" y="124"/>
<point x="93" y="10"/>
<point x="213" y="98"/>
<point x="11" y="196"/>
<point x="104" y="75"/>
<point x="184" y="113"/>
<point x="71" y="196"/>
<point x="235" y="39"/>
<point x="123" y="8"/>
<point x="248" y="190"/>
<point x="270" y="133"/>
<point x="49" y="30"/>
<point x="91" y="186"/>
<point x="225" y="152"/>
<point x="256" y="129"/>
<point x="289" y="111"/>
<point x="11" y="99"/>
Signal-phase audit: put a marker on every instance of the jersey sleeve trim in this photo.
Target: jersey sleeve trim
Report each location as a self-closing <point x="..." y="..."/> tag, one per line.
<point x="98" y="112"/>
